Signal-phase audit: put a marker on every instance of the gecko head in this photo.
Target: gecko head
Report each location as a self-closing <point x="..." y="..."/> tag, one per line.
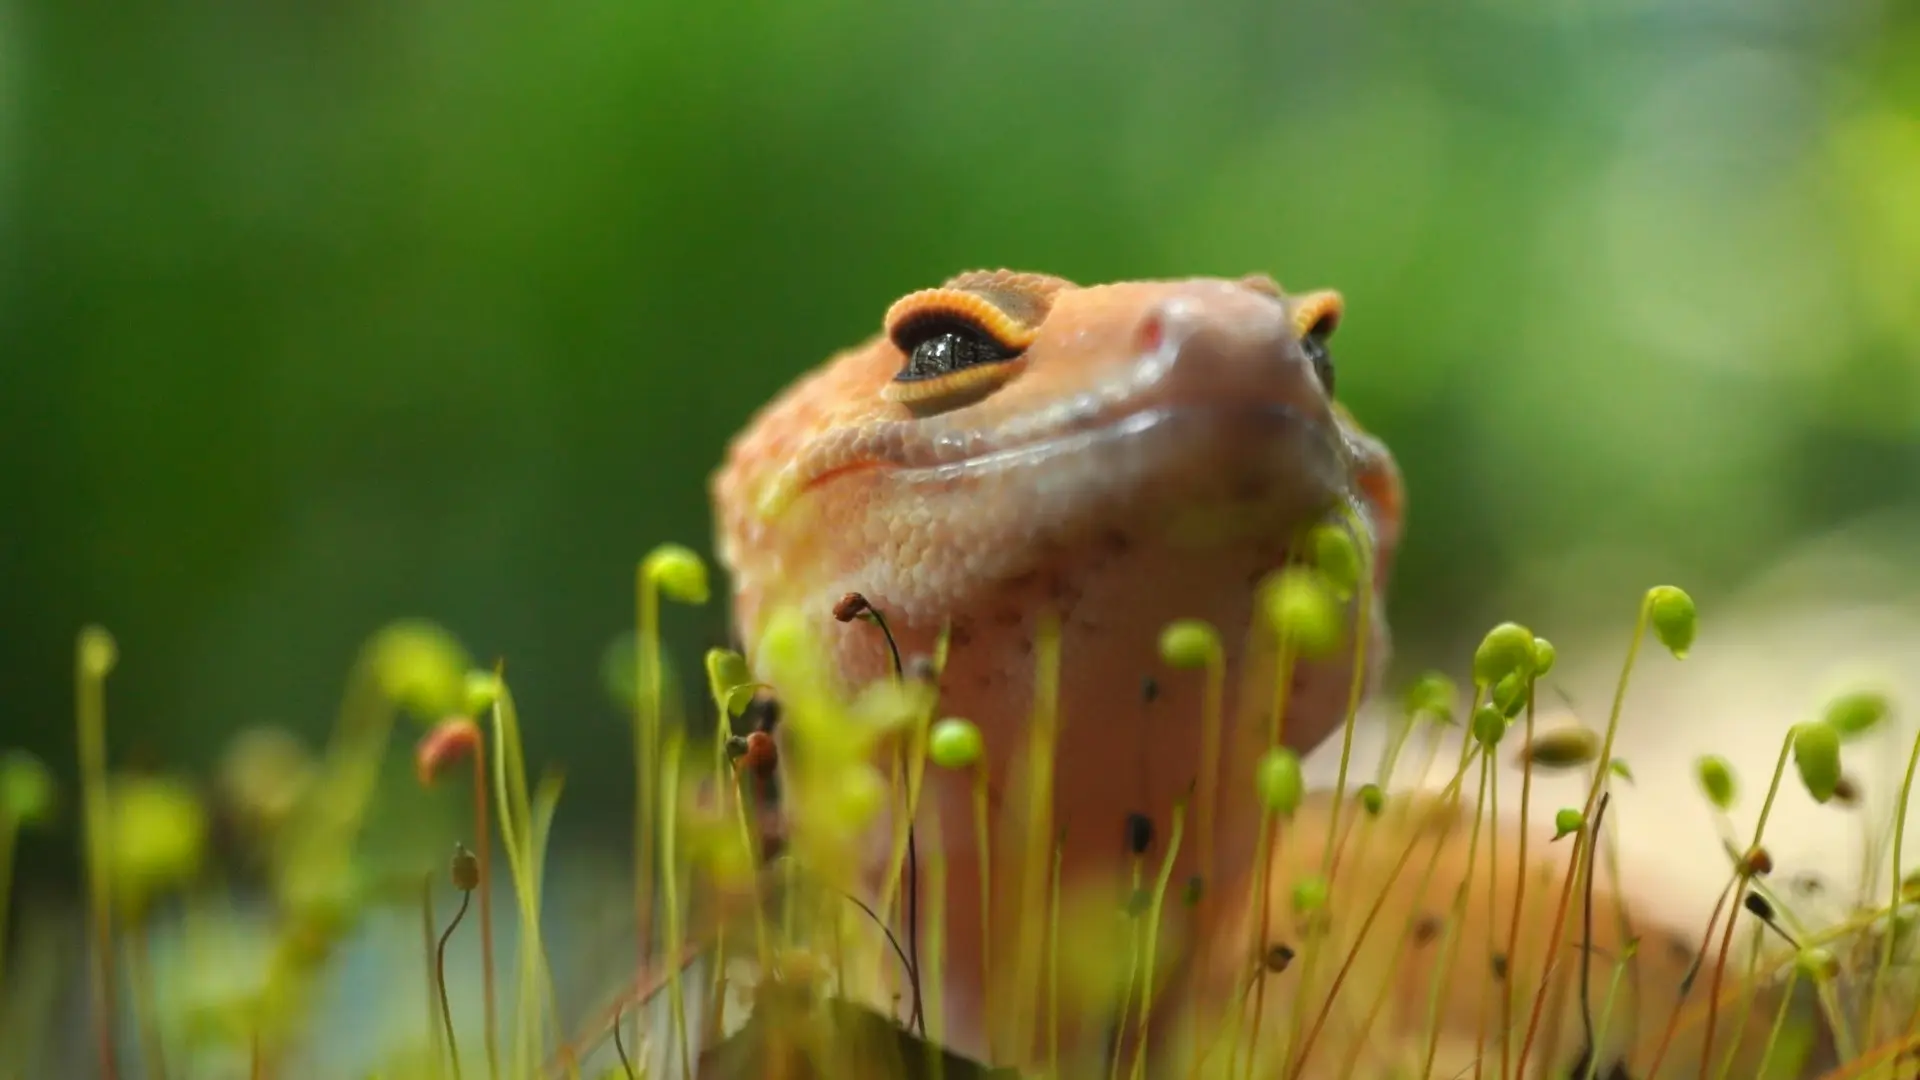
<point x="1004" y="419"/>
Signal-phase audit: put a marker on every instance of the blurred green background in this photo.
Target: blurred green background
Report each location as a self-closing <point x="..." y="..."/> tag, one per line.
<point x="314" y="315"/>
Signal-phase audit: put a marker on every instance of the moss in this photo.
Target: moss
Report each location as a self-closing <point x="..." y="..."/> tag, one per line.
<point x="782" y="893"/>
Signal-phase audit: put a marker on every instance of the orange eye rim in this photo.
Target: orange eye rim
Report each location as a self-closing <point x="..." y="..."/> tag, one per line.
<point x="967" y="384"/>
<point x="957" y="305"/>
<point x="956" y="388"/>
<point x="1318" y="313"/>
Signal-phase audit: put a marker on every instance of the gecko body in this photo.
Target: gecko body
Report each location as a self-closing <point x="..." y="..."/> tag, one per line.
<point x="1013" y="446"/>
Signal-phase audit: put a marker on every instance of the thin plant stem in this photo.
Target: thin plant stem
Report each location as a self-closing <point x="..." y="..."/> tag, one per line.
<point x="646" y="750"/>
<point x="1606" y="1021"/>
<point x="1053" y="963"/>
<point x="983" y="843"/>
<point x="1126" y="992"/>
<point x="1261" y="896"/>
<point x="1741" y="876"/>
<point x="1366" y="926"/>
<point x="1746" y="1001"/>
<point x="676" y="998"/>
<point x="1586" y="928"/>
<point x="428" y="939"/>
<point x="1600" y="773"/>
<point x="145" y="1007"/>
<point x="1507" y="988"/>
<point x="1043" y="736"/>
<point x="1330" y="855"/>
<point x="1453" y="923"/>
<point x="440" y="980"/>
<point x="92" y="729"/>
<point x="936" y="947"/>
<point x="1153" y="939"/>
<point x="1212" y="717"/>
<point x="1493" y="919"/>
<point x="1886" y="940"/>
<point x="483" y="857"/>
<point x="1263" y="884"/>
<point x="620" y="1048"/>
<point x="1780" y="1016"/>
<point x="9" y="836"/>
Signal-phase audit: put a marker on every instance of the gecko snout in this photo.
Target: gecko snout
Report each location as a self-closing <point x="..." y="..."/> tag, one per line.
<point x="1226" y="346"/>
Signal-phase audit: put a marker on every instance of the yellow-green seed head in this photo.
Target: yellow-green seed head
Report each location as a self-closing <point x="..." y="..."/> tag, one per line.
<point x="27" y="792"/>
<point x="1372" y="799"/>
<point x="1279" y="781"/>
<point x="97" y="652"/>
<point x="729" y="681"/>
<point x="859" y="794"/>
<point x="1510" y="693"/>
<point x="1716" y="779"/>
<point x="1433" y="695"/>
<point x="1567" y="822"/>
<point x="1506" y="650"/>
<point x="1816" y="755"/>
<point x="1489" y="724"/>
<point x="158" y="834"/>
<point x="678" y="573"/>
<point x="1816" y="964"/>
<point x="1337" y="557"/>
<point x="1544" y="655"/>
<point x="1857" y="712"/>
<point x="1305" y="612"/>
<point x="955" y="744"/>
<point x="419" y="667"/>
<point x="483" y="689"/>
<point x="1189" y="643"/>
<point x="1310" y="894"/>
<point x="1674" y="619"/>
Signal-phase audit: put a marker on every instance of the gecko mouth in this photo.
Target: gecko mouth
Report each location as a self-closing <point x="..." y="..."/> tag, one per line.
<point x="1205" y="469"/>
<point x="1229" y="435"/>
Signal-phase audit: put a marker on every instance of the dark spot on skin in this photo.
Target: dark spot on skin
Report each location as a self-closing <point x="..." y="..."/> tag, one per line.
<point x="1061" y="593"/>
<point x="961" y="634"/>
<point x="1149" y="690"/>
<point x="1500" y="965"/>
<point x="1426" y="929"/>
<point x="1680" y="949"/>
<point x="1139" y="833"/>
<point x="1115" y="542"/>
<point x="1278" y="957"/>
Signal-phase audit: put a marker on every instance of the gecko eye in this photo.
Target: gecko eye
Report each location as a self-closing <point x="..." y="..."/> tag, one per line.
<point x="1314" y="344"/>
<point x="1315" y="316"/>
<point x="940" y="347"/>
<point x="959" y="346"/>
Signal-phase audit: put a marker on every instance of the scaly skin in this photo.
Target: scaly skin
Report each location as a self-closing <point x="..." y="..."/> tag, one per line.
<point x="1151" y="455"/>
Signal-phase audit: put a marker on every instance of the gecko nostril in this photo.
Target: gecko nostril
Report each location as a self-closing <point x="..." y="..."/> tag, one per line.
<point x="1151" y="333"/>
